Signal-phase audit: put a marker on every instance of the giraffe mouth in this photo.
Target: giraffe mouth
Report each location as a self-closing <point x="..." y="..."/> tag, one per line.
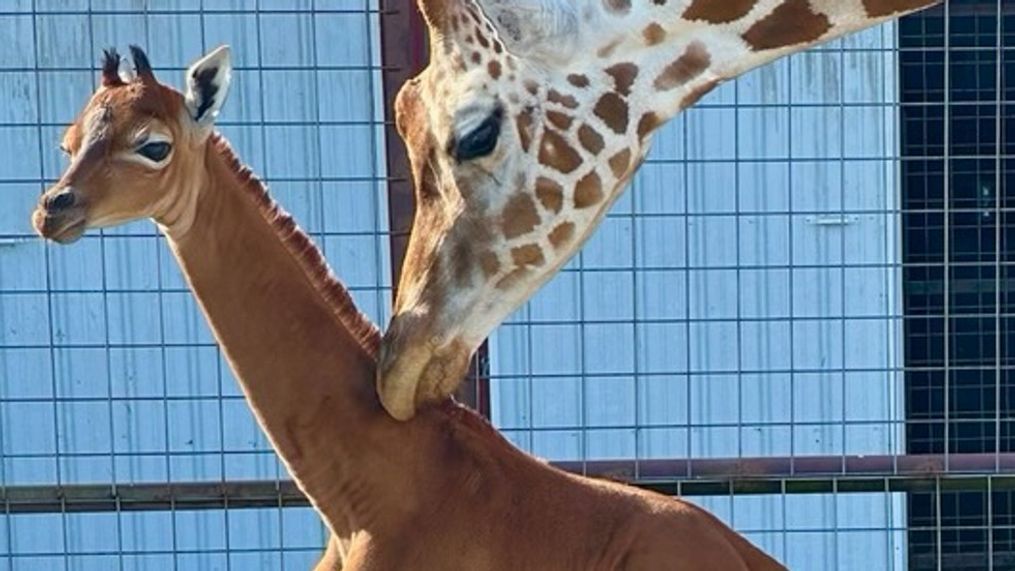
<point x="63" y="228"/>
<point x="412" y="374"/>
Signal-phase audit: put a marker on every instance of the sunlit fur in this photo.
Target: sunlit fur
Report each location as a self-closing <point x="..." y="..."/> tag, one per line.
<point x="442" y="492"/>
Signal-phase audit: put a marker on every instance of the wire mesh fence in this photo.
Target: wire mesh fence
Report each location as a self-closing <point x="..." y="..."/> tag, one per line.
<point x="797" y="316"/>
<point x="110" y="374"/>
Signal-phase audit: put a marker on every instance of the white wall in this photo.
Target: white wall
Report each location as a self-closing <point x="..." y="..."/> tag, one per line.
<point x="742" y="300"/>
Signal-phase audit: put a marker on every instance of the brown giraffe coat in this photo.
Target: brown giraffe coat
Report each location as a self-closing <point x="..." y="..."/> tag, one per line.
<point x="444" y="492"/>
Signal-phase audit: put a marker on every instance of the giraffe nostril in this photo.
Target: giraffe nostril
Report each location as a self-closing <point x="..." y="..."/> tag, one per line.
<point x="61" y="201"/>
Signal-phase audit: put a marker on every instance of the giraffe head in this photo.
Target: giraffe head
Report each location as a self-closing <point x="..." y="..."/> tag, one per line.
<point x="133" y="149"/>
<point x="526" y="126"/>
<point x="519" y="140"/>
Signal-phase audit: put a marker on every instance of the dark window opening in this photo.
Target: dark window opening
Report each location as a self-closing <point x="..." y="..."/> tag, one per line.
<point x="957" y="89"/>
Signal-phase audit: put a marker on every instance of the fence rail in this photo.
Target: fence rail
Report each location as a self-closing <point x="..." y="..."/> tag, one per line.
<point x="718" y="477"/>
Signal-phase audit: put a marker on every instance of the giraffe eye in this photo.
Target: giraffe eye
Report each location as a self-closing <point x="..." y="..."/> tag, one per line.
<point x="155" y="151"/>
<point x="481" y="141"/>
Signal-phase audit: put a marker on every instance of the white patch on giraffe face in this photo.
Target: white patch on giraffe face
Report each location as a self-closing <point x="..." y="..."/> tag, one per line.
<point x="475" y="118"/>
<point x="540" y="29"/>
<point x="476" y="130"/>
<point x="152" y="147"/>
<point x="469" y="117"/>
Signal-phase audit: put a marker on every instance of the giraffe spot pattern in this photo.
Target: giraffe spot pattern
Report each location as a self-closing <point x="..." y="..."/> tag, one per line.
<point x="589" y="191"/>
<point x="624" y="76"/>
<point x="494" y="69"/>
<point x="562" y="235"/>
<point x="550" y="194"/>
<point x="591" y="140"/>
<point x="649" y="122"/>
<point x="697" y="93"/>
<point x="558" y="154"/>
<point x="654" y="34"/>
<point x="620" y="163"/>
<point x="559" y="98"/>
<point x="578" y="80"/>
<point x="524" y="122"/>
<point x="559" y="120"/>
<point x="613" y="110"/>
<point x="490" y="264"/>
<point x="694" y="61"/>
<point x="519" y="216"/>
<point x="718" y="12"/>
<point x="528" y="255"/>
<point x="510" y="280"/>
<point x="792" y="23"/>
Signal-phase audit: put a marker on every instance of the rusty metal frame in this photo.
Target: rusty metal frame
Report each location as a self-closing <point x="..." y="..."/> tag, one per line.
<point x="713" y="477"/>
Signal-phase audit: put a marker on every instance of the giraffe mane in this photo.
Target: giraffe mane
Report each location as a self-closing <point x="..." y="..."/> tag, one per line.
<point x="464" y="420"/>
<point x="466" y="424"/>
<point x="304" y="251"/>
<point x="312" y="262"/>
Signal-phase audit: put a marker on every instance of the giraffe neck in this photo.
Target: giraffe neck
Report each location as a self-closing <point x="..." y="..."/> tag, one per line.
<point x="684" y="48"/>
<point x="589" y="126"/>
<point x="307" y="374"/>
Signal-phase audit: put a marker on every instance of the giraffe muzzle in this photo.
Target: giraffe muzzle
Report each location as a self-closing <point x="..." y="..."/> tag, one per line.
<point x="60" y="216"/>
<point x="413" y="374"/>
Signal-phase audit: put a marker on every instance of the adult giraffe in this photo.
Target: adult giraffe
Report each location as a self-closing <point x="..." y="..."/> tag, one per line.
<point x="441" y="493"/>
<point x="525" y="128"/>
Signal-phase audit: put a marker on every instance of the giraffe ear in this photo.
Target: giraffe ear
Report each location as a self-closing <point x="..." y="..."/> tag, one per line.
<point x="207" y="85"/>
<point x="535" y="28"/>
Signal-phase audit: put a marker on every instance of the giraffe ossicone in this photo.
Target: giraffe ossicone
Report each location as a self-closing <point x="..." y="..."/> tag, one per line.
<point x="527" y="125"/>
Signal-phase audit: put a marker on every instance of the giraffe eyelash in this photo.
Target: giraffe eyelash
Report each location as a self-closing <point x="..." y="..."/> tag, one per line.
<point x="481" y="141"/>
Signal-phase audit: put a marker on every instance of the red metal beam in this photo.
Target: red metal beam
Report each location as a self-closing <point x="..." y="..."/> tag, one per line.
<point x="641" y="471"/>
<point x="719" y="477"/>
